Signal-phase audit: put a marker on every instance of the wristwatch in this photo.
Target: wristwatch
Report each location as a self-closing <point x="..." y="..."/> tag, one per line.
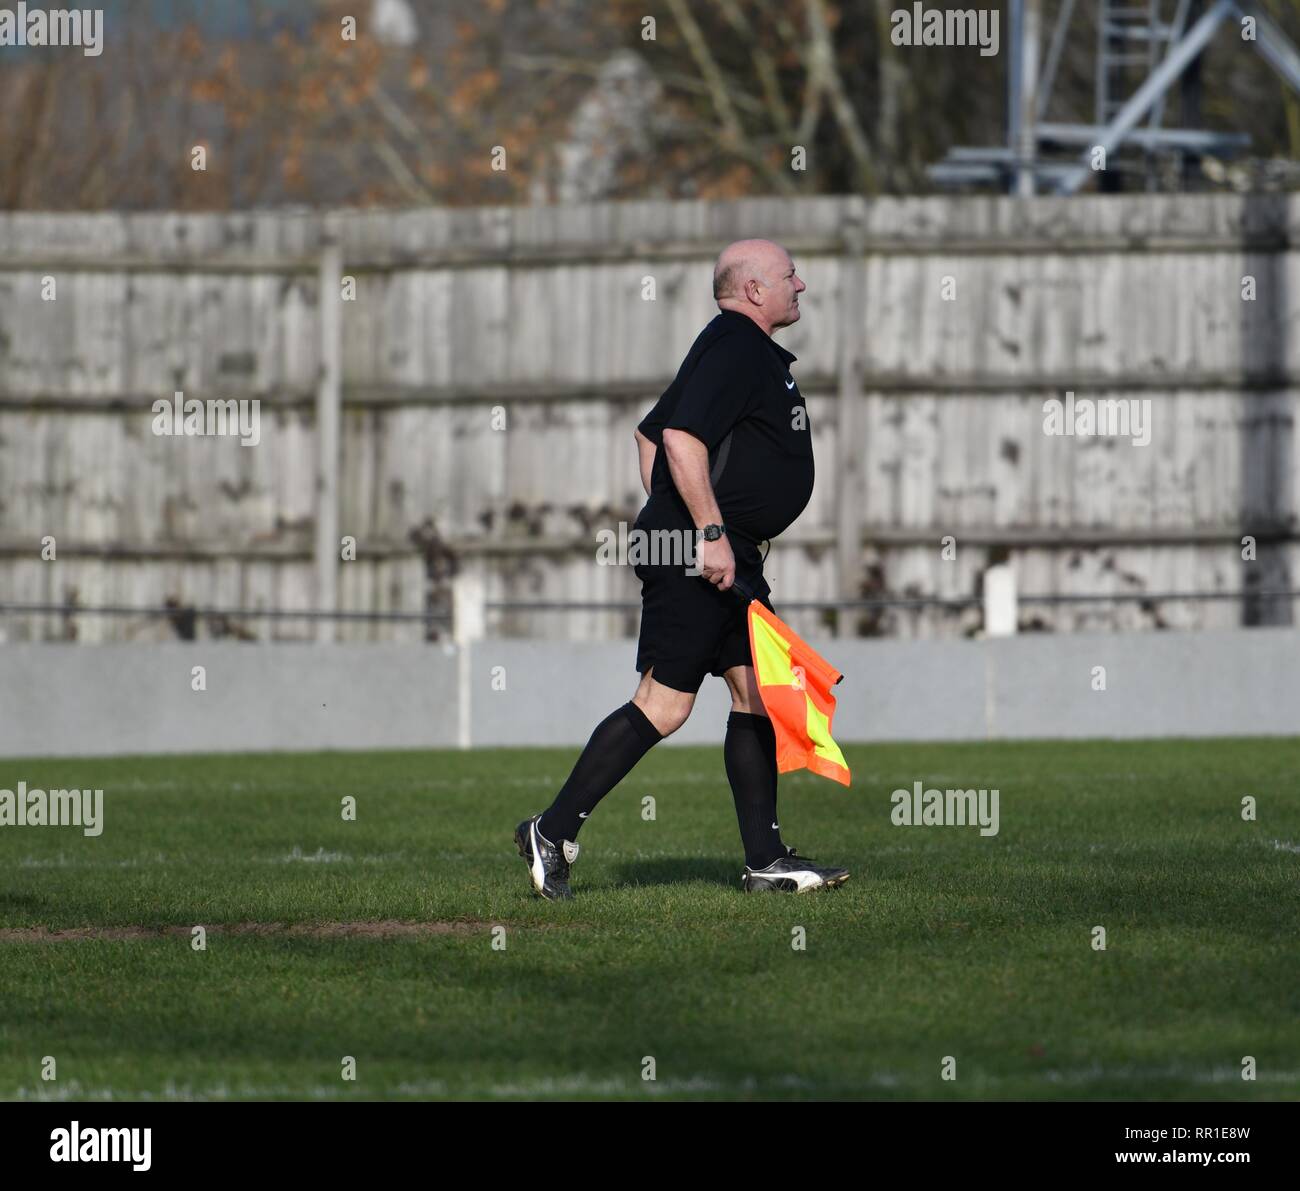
<point x="713" y="532"/>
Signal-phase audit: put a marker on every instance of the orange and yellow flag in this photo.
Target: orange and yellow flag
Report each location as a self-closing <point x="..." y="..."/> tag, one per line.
<point x="795" y="682"/>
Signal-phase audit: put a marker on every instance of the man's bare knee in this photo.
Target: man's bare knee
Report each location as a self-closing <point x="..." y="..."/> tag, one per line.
<point x="745" y="696"/>
<point x="668" y="709"/>
<point x="667" y="715"/>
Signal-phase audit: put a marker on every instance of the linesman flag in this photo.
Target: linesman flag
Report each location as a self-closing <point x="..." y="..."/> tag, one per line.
<point x="795" y="682"/>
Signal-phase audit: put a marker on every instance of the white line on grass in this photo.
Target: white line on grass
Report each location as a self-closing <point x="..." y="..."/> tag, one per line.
<point x="619" y="1085"/>
<point x="160" y="860"/>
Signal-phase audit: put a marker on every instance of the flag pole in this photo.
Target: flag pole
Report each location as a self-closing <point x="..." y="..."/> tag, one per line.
<point x="742" y="590"/>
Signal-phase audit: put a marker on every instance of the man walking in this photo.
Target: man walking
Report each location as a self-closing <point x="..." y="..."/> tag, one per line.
<point x="726" y="455"/>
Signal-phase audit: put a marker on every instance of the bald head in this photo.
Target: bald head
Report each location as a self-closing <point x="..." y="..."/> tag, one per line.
<point x="743" y="261"/>
<point x="757" y="278"/>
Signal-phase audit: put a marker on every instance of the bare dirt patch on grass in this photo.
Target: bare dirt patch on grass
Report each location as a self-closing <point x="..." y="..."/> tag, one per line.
<point x="388" y="928"/>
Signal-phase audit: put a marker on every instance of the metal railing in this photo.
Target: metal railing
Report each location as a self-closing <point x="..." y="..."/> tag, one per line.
<point x="907" y="601"/>
<point x="173" y="612"/>
<point x="193" y="613"/>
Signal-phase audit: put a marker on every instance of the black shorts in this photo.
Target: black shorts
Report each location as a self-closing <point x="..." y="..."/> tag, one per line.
<point x="689" y="628"/>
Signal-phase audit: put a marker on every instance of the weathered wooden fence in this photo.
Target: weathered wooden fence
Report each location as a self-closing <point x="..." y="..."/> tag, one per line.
<point x="481" y="372"/>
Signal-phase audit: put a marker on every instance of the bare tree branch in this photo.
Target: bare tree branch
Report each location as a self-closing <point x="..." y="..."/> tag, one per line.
<point x="708" y="67"/>
<point x="763" y="64"/>
<point x="746" y="151"/>
<point x="823" y="52"/>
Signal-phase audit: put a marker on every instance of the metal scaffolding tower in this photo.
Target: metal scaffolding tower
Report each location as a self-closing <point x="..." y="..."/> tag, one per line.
<point x="1141" y="56"/>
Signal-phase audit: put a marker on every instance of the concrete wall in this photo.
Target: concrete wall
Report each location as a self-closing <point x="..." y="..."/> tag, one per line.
<point x="71" y="700"/>
<point x="102" y="700"/>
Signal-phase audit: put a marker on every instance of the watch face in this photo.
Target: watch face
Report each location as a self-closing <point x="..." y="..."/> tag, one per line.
<point x="712" y="533"/>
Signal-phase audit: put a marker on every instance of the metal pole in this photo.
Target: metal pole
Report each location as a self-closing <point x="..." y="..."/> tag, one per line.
<point x="1027" y="139"/>
<point x="1059" y="34"/>
<point x="1015" y="109"/>
<point x="1277" y="49"/>
<point x="1175" y="62"/>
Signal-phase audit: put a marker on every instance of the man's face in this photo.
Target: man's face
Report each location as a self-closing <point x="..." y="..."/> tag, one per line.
<point x="781" y="298"/>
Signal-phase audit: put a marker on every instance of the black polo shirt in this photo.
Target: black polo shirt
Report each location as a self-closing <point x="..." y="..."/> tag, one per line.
<point x="735" y="393"/>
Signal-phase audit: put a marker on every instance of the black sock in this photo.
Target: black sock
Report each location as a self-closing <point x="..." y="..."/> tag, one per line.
<point x="749" y="753"/>
<point x="620" y="740"/>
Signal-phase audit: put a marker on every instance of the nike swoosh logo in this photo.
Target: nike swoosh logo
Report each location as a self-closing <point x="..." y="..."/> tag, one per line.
<point x="583" y="814"/>
<point x="776" y="826"/>
<point x="789" y="384"/>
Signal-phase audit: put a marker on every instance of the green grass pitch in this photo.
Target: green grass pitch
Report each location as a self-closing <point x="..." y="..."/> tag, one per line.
<point x="944" y="943"/>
